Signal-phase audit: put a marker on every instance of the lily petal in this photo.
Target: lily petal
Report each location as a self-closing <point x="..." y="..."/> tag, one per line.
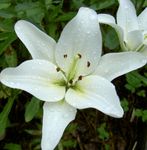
<point x="95" y="92"/>
<point x="56" y="117"/>
<point x="113" y="65"/>
<point x="134" y="39"/>
<point x="106" y="19"/>
<point x="109" y="20"/>
<point x="38" y="77"/>
<point x="81" y="36"/>
<point x="142" y="20"/>
<point x="39" y="44"/>
<point x="126" y="16"/>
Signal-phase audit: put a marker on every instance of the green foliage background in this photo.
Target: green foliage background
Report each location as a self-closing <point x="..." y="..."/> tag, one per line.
<point x="21" y="114"/>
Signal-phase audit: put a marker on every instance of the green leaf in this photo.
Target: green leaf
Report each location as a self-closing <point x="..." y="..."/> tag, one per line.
<point x="145" y="3"/>
<point x="11" y="57"/>
<point x="142" y="93"/>
<point x="65" y="17"/>
<point x="7" y="13"/>
<point x="134" y="80"/>
<point x="111" y="40"/>
<point x="11" y="146"/>
<point x="144" y="115"/>
<point x="138" y="112"/>
<point x="103" y="134"/>
<point x="33" y="11"/>
<point x="4" y="115"/>
<point x="69" y="143"/>
<point x="4" y="5"/>
<point x="31" y="109"/>
<point x="102" y="4"/>
<point x="9" y="39"/>
<point x="7" y="25"/>
<point x="125" y="104"/>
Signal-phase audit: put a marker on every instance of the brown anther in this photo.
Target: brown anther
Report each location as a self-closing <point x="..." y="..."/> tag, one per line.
<point x="65" y="56"/>
<point x="80" y="56"/>
<point x="88" y="64"/>
<point x="70" y="81"/>
<point x="80" y="77"/>
<point x="58" y="69"/>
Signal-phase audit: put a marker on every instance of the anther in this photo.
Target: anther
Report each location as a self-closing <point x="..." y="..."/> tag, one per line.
<point x="65" y="56"/>
<point x="88" y="64"/>
<point x="79" y="55"/>
<point x="80" y="77"/>
<point x="58" y="69"/>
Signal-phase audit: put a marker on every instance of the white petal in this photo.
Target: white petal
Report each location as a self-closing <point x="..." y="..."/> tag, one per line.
<point x="38" y="77"/>
<point x="142" y="20"/>
<point x="106" y="19"/>
<point x="109" y="20"/>
<point x="126" y="16"/>
<point x="39" y="44"/>
<point x="80" y="36"/>
<point x="56" y="117"/>
<point x="113" y="65"/>
<point x="95" y="92"/>
<point x="134" y="39"/>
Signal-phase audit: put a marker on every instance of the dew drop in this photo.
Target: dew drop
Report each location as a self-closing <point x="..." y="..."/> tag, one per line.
<point x="88" y="103"/>
<point x="36" y="89"/>
<point x="12" y="83"/>
<point x="144" y="61"/>
<point x="126" y="7"/>
<point x="88" y="32"/>
<point x="66" y="115"/>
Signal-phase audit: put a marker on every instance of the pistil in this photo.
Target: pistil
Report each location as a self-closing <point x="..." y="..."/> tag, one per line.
<point x="73" y="67"/>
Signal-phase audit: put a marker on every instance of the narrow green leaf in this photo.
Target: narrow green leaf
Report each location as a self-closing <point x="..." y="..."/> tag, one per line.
<point x="31" y="109"/>
<point x="4" y="5"/>
<point x="4" y="115"/>
<point x="102" y="4"/>
<point x="11" y="146"/>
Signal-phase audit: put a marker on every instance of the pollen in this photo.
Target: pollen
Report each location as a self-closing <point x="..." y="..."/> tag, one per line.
<point x="80" y="77"/>
<point x="65" y="55"/>
<point x="70" y="81"/>
<point x="58" y="69"/>
<point x="79" y="55"/>
<point x="88" y="64"/>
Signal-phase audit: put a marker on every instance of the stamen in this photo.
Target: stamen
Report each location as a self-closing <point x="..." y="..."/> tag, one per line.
<point x="80" y="77"/>
<point x="58" y="69"/>
<point x="65" y="56"/>
<point x="88" y="64"/>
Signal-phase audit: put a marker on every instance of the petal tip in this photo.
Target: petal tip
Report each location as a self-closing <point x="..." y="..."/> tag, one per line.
<point x="85" y="11"/>
<point x="19" y="25"/>
<point x="119" y="113"/>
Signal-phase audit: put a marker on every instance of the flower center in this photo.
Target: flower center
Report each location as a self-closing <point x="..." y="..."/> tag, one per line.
<point x="70" y="77"/>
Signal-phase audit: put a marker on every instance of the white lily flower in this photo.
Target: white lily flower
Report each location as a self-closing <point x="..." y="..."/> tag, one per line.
<point x="70" y="74"/>
<point x="131" y="30"/>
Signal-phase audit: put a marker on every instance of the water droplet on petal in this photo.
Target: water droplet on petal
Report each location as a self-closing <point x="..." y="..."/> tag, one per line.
<point x="66" y="115"/>
<point x="12" y="83"/>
